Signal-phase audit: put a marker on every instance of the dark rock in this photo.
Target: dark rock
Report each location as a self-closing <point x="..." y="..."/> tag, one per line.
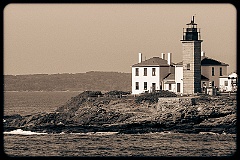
<point x="90" y="111"/>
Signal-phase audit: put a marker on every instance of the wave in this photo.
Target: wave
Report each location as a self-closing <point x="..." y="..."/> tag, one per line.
<point x="166" y="132"/>
<point x="213" y="133"/>
<point x="96" y="133"/>
<point x="105" y="133"/>
<point x="22" y="132"/>
<point x="209" y="133"/>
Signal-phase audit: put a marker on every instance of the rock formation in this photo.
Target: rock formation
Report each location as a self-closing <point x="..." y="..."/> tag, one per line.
<point x="118" y="111"/>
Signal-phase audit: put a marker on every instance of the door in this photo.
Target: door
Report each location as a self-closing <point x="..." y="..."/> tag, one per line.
<point x="178" y="87"/>
<point x="153" y="87"/>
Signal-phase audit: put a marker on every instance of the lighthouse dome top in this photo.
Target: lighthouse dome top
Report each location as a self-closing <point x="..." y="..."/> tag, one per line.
<point x="192" y="22"/>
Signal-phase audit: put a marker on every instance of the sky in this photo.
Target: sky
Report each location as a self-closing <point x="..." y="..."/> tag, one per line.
<point x="77" y="38"/>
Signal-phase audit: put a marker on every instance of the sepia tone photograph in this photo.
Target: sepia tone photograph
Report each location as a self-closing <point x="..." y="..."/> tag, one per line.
<point x="120" y="80"/>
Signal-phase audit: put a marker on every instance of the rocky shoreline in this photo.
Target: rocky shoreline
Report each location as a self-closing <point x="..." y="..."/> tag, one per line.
<point x="116" y="111"/>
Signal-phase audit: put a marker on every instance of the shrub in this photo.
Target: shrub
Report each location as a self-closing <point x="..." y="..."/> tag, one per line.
<point x="90" y="94"/>
<point x="116" y="92"/>
<point x="153" y="97"/>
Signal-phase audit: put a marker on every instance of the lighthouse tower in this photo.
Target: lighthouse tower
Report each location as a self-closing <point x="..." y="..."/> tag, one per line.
<point x="191" y="45"/>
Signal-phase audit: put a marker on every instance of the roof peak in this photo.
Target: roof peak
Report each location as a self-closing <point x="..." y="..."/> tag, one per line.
<point x="210" y="61"/>
<point x="154" y="61"/>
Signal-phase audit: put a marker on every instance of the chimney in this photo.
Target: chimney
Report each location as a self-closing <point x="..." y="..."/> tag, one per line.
<point x="202" y="54"/>
<point x="163" y="56"/>
<point x="169" y="61"/>
<point x="139" y="57"/>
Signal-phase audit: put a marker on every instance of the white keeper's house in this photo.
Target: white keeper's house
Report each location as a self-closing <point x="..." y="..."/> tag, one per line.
<point x="195" y="73"/>
<point x="148" y="75"/>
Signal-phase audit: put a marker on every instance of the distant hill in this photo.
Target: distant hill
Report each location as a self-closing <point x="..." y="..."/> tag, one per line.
<point x="93" y="80"/>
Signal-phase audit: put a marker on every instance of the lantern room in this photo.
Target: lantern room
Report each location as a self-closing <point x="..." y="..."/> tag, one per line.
<point x="191" y="33"/>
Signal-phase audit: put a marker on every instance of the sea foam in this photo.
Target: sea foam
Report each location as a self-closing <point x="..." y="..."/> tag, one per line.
<point x="96" y="133"/>
<point x="22" y="132"/>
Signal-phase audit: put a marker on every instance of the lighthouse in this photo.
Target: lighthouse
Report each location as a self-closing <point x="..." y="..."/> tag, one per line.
<point x="191" y="45"/>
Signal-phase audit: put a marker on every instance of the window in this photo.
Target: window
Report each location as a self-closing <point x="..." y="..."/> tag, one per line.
<point x="178" y="87"/>
<point x="225" y="83"/>
<point x="145" y="72"/>
<point x="212" y="71"/>
<point x="204" y="84"/>
<point x="145" y="85"/>
<point x="170" y="87"/>
<point x="188" y="66"/>
<point x="153" y="71"/>
<point x="234" y="82"/>
<point x="137" y="85"/>
<point x="221" y="71"/>
<point x="213" y="83"/>
<point x="137" y="72"/>
<point x="210" y="84"/>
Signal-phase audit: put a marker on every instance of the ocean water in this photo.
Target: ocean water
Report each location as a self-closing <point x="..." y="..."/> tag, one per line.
<point x="27" y="143"/>
<point x="25" y="103"/>
<point x="113" y="144"/>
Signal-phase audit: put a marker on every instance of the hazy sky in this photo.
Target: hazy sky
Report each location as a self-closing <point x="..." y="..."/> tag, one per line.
<point x="76" y="38"/>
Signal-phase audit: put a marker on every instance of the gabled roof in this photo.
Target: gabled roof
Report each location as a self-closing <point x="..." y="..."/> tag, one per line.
<point x="233" y="74"/>
<point x="204" y="78"/>
<point x="169" y="79"/>
<point x="230" y="76"/>
<point x="179" y="63"/>
<point x="212" y="62"/>
<point x="155" y="61"/>
<point x="207" y="62"/>
<point x="170" y="76"/>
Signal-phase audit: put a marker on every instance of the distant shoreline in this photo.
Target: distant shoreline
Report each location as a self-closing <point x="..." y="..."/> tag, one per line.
<point x="104" y="81"/>
<point x="48" y="74"/>
<point x="43" y="91"/>
<point x="49" y="91"/>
